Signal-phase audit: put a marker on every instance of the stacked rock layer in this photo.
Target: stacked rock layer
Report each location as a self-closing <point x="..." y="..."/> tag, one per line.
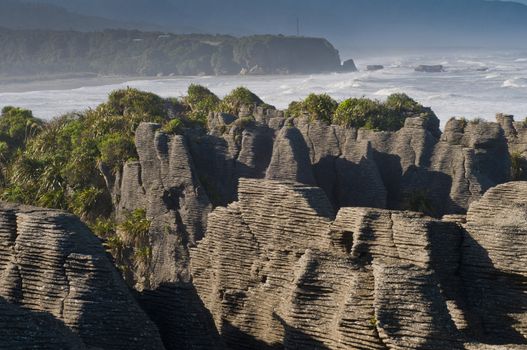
<point x="277" y="269"/>
<point x="59" y="290"/>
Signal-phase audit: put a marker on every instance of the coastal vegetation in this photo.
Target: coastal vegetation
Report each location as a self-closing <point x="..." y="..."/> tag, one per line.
<point x="136" y="53"/>
<point x="315" y="107"/>
<point x="360" y="112"/>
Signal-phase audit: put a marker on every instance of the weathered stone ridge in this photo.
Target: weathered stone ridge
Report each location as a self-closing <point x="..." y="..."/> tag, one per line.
<point x="494" y="264"/>
<point x="163" y="182"/>
<point x="59" y="290"/>
<point x="356" y="167"/>
<point x="277" y="269"/>
<point x="178" y="178"/>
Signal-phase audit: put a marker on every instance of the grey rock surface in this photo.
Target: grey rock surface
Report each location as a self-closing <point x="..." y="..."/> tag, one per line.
<point x="430" y="68"/>
<point x="278" y="269"/>
<point x="178" y="178"/>
<point x="59" y="290"/>
<point x="356" y="167"/>
<point x="374" y="67"/>
<point x="349" y="66"/>
<point x="163" y="182"/>
<point x="286" y="272"/>
<point x="494" y="263"/>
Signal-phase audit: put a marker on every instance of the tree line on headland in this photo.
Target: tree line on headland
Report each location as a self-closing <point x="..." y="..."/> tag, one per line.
<point x="135" y="53"/>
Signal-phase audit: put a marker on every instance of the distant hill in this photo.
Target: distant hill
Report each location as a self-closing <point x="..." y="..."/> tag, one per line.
<point x="375" y="23"/>
<point x="21" y="15"/>
<point x="17" y="15"/>
<point x="135" y="53"/>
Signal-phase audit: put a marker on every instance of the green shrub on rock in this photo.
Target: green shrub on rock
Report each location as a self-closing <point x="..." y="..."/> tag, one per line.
<point x="134" y="236"/>
<point x="135" y="226"/>
<point x="174" y="126"/>
<point x="59" y="165"/>
<point x="402" y="103"/>
<point x="131" y="101"/>
<point x="17" y="126"/>
<point x="104" y="227"/>
<point x="116" y="149"/>
<point x="238" y="98"/>
<point x="201" y="102"/>
<point x="375" y="115"/>
<point x="359" y="113"/>
<point x="315" y="107"/>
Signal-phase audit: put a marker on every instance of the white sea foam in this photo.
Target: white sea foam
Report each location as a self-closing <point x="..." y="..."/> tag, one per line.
<point x="461" y="90"/>
<point x="388" y="92"/>
<point x="517" y="82"/>
<point x="492" y="76"/>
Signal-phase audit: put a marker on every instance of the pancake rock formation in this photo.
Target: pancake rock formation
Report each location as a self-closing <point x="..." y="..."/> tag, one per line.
<point x="178" y="179"/>
<point x="277" y="269"/>
<point x="163" y="183"/>
<point x="59" y="290"/>
<point x="354" y="167"/>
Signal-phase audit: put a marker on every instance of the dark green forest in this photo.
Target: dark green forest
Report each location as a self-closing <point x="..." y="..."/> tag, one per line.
<point x="135" y="53"/>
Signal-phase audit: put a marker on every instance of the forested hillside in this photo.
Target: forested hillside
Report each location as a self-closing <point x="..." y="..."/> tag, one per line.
<point x="121" y="52"/>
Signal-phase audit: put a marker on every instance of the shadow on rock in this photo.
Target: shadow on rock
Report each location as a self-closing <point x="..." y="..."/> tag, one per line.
<point x="493" y="297"/>
<point x="182" y="319"/>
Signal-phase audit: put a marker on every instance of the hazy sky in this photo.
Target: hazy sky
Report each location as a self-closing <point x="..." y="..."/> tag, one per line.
<point x="347" y="23"/>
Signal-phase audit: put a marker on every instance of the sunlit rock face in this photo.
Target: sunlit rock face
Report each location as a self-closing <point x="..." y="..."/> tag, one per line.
<point x="277" y="268"/>
<point x="309" y="250"/>
<point x="59" y="290"/>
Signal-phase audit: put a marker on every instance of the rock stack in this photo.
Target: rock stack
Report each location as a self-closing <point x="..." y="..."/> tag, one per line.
<point x="59" y="290"/>
<point x="278" y="269"/>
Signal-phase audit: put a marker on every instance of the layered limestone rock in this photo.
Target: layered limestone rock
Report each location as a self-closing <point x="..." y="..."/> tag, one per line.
<point x="276" y="268"/>
<point x="59" y="290"/>
<point x="494" y="264"/>
<point x="178" y="178"/>
<point x="355" y="167"/>
<point x="516" y="133"/>
<point x="163" y="183"/>
<point x="23" y="329"/>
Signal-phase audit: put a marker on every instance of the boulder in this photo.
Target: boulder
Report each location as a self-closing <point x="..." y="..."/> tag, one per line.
<point x="349" y="66"/>
<point x="430" y="68"/>
<point x="374" y="67"/>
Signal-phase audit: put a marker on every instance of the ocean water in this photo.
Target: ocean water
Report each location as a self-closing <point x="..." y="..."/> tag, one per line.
<point x="475" y="85"/>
